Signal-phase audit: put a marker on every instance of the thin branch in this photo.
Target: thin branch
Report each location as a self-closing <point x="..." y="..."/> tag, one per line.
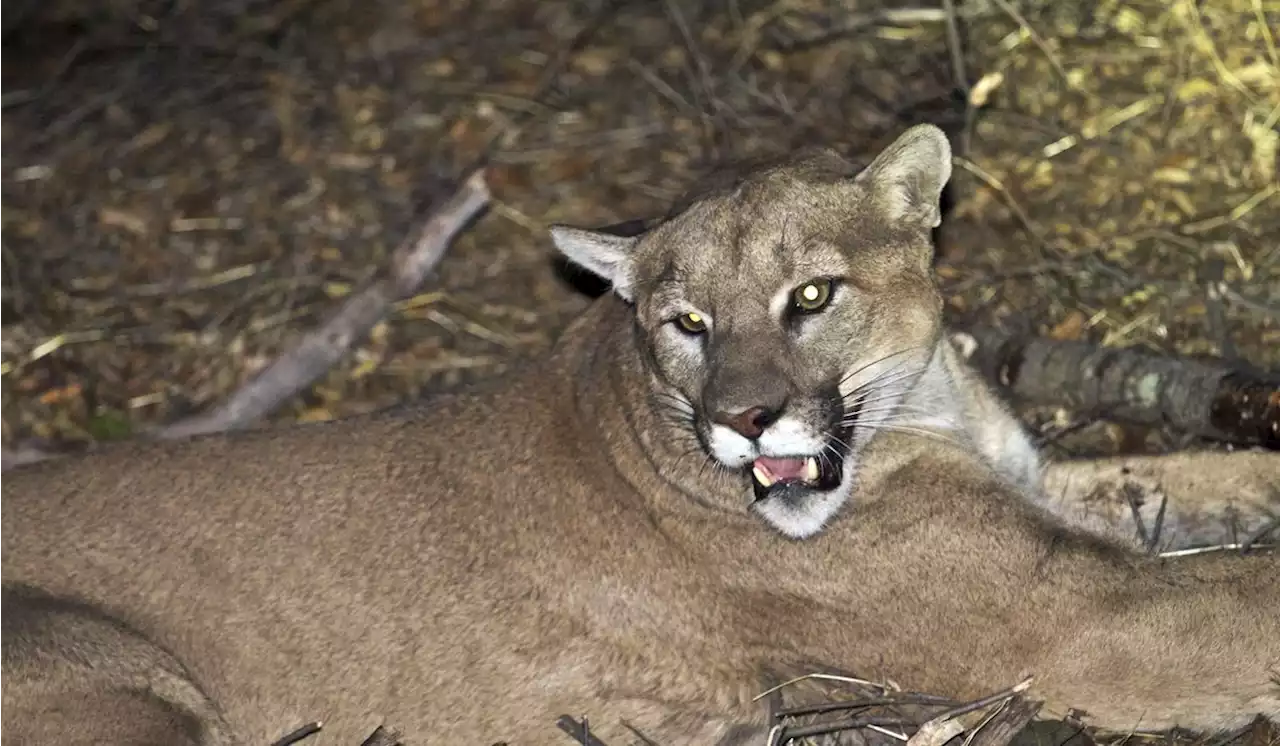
<point x="1036" y="39"/>
<point x="15" y="457"/>
<point x="323" y="347"/>
<point x="299" y="734"/>
<point x="986" y="701"/>
<point x="956" y="48"/>
<point x="578" y="731"/>
<point x="320" y="349"/>
<point x="947" y="725"/>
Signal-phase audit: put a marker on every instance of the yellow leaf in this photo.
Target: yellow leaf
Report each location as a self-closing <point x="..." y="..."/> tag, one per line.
<point x="365" y="367"/>
<point x="315" y="414"/>
<point x="1195" y="88"/>
<point x="1172" y="175"/>
<point x="337" y="289"/>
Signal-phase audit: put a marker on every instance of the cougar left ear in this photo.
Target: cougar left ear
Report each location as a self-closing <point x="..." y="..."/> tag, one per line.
<point x="604" y="254"/>
<point x="906" y="179"/>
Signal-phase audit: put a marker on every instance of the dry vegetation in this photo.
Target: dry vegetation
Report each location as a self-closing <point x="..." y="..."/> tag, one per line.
<point x="189" y="186"/>
<point x="1137" y="153"/>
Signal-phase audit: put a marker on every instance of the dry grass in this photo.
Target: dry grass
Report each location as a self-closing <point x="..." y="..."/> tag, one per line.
<point x="1135" y="154"/>
<point x="838" y="710"/>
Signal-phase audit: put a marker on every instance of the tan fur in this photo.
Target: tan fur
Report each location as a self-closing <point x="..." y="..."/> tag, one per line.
<point x="470" y="569"/>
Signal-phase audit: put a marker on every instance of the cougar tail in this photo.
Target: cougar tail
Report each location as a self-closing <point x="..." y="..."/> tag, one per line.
<point x="73" y="674"/>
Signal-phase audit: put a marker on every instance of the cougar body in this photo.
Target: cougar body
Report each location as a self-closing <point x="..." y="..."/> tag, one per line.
<point x="699" y="491"/>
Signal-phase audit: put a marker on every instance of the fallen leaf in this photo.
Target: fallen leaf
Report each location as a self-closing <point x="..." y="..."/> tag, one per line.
<point x="1070" y="328"/>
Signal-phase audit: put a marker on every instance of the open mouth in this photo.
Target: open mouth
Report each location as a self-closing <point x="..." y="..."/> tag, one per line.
<point x="771" y="475"/>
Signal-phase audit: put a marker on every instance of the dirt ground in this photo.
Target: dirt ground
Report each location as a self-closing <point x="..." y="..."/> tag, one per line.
<point x="187" y="186"/>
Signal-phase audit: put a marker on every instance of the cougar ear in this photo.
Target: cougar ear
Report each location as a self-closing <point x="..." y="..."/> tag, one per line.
<point x="907" y="178"/>
<point x="603" y="254"/>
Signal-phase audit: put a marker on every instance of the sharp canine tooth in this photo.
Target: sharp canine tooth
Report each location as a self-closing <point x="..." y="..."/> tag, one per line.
<point x="811" y="469"/>
<point x="761" y="476"/>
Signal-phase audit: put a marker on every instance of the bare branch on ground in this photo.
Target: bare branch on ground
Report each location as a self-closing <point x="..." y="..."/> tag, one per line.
<point x="1233" y="403"/>
<point x="319" y="350"/>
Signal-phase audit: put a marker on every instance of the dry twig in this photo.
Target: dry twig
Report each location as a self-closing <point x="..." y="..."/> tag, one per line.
<point x="298" y="734"/>
<point x="879" y="713"/>
<point x="579" y="731"/>
<point x="380" y="736"/>
<point x="320" y="349"/>
<point x="951" y="723"/>
<point x="15" y="457"/>
<point x="1015" y="715"/>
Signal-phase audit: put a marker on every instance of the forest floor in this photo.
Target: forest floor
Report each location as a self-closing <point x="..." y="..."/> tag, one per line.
<point x="188" y="186"/>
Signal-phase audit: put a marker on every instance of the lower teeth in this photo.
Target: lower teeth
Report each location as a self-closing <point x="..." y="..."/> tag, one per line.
<point x="811" y="475"/>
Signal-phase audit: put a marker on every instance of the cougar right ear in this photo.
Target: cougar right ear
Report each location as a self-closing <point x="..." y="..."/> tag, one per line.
<point x="907" y="178"/>
<point x="603" y="254"/>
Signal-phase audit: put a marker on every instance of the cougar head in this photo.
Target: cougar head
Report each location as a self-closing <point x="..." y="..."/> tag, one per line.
<point x="784" y="314"/>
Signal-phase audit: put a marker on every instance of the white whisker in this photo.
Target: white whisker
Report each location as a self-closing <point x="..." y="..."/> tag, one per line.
<point x="889" y="414"/>
<point x="894" y="398"/>
<point x="899" y="382"/>
<point x="897" y="372"/>
<point x="882" y="394"/>
<point x="832" y="447"/>
<point x="866" y="365"/>
<point x="914" y="431"/>
<point x="897" y="414"/>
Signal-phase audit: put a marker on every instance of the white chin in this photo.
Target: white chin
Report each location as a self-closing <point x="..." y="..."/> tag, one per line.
<point x="803" y="516"/>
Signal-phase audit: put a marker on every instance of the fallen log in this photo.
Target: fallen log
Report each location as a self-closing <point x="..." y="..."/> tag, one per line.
<point x="1233" y="403"/>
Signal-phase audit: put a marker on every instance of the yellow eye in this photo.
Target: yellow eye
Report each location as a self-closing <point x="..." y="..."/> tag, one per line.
<point x="812" y="296"/>
<point x="691" y="323"/>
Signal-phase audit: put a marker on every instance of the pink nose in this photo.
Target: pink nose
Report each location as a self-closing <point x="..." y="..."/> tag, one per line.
<point x="749" y="423"/>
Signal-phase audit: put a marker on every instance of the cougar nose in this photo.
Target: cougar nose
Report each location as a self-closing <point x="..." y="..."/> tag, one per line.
<point x="749" y="423"/>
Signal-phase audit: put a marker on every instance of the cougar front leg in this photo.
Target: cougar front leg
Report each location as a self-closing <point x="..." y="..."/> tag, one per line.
<point x="1171" y="501"/>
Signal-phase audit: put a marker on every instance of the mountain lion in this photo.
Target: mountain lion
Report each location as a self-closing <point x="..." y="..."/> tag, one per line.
<point x="585" y="537"/>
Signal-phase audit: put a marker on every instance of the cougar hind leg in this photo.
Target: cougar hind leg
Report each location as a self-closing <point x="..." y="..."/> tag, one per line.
<point x="1174" y="501"/>
<point x="1208" y="498"/>
<point x="75" y="675"/>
